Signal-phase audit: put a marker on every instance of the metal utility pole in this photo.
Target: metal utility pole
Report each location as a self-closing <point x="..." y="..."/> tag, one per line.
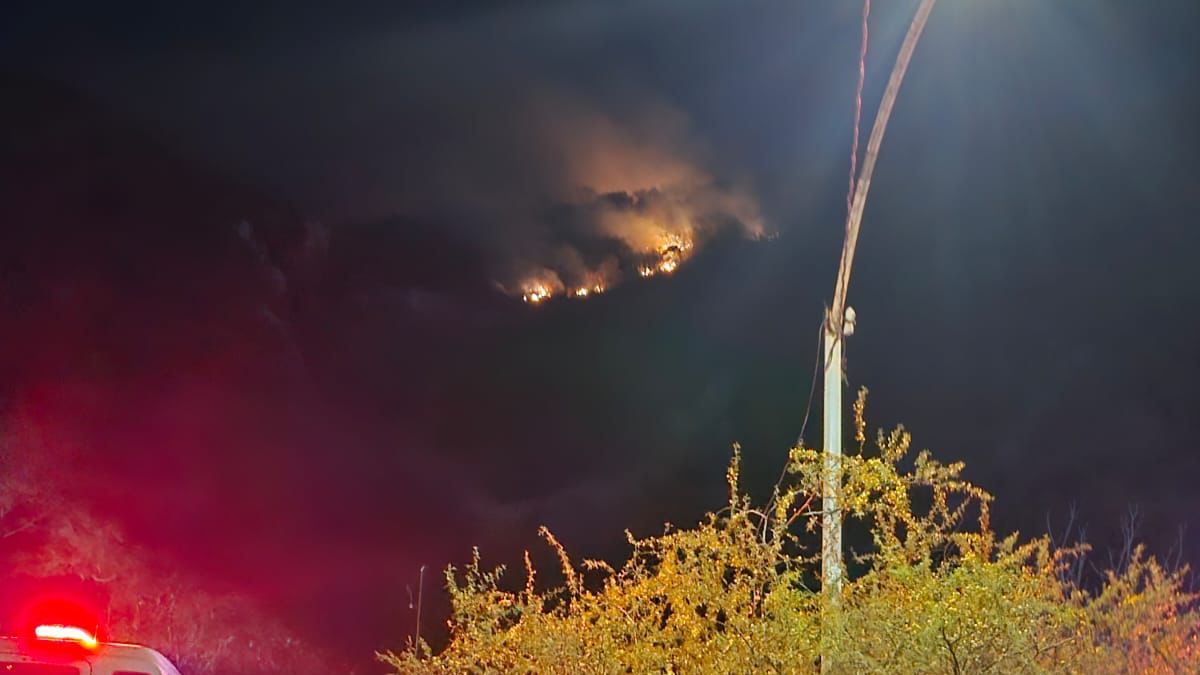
<point x="831" y="515"/>
<point x="839" y="323"/>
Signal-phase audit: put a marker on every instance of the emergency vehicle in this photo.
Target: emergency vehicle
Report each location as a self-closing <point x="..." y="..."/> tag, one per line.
<point x="60" y="649"/>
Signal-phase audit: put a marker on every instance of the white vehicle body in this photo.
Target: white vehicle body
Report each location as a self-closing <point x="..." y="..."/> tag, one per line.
<point x="19" y="656"/>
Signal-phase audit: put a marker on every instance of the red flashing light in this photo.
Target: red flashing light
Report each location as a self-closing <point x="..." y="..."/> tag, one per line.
<point x="66" y="634"/>
<point x="59" y="617"/>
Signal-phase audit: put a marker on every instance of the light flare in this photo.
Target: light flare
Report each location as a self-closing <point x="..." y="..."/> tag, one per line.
<point x="66" y="634"/>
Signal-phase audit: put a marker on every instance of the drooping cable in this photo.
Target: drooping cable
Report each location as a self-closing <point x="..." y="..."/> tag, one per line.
<point x="871" y="156"/>
<point x="858" y="102"/>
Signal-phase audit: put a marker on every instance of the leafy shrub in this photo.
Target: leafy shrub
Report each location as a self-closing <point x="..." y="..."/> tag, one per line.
<point x="736" y="594"/>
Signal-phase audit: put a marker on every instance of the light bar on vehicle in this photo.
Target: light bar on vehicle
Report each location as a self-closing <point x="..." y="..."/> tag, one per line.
<point x="66" y="633"/>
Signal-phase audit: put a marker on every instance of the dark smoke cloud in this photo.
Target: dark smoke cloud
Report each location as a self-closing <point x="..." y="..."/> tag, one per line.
<point x="557" y="189"/>
<point x="475" y="119"/>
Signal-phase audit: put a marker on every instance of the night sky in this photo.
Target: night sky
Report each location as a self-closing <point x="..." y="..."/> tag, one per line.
<point x="261" y="266"/>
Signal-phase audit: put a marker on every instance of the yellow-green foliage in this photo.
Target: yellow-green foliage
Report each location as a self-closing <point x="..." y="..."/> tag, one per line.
<point x="940" y="593"/>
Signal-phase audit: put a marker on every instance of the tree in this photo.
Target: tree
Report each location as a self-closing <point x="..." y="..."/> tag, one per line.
<point x="50" y="535"/>
<point x="940" y="592"/>
<point x="24" y="502"/>
<point x="202" y="631"/>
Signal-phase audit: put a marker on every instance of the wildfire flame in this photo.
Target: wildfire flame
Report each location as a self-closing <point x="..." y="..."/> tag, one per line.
<point x="669" y="255"/>
<point x="536" y="295"/>
<point x="646" y="227"/>
<point x="586" y="291"/>
<point x="626" y="227"/>
<point x="673" y="249"/>
<point x="627" y="197"/>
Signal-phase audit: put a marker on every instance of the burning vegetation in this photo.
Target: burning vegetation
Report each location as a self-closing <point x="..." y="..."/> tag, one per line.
<point x="628" y="199"/>
<point x="641" y="236"/>
<point x="546" y="284"/>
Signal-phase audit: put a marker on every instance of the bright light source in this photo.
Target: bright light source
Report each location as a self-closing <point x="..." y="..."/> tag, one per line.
<point x="66" y="633"/>
<point x="537" y="294"/>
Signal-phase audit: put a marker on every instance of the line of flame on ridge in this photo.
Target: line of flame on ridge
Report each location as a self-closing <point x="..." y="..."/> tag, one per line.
<point x="670" y="255"/>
